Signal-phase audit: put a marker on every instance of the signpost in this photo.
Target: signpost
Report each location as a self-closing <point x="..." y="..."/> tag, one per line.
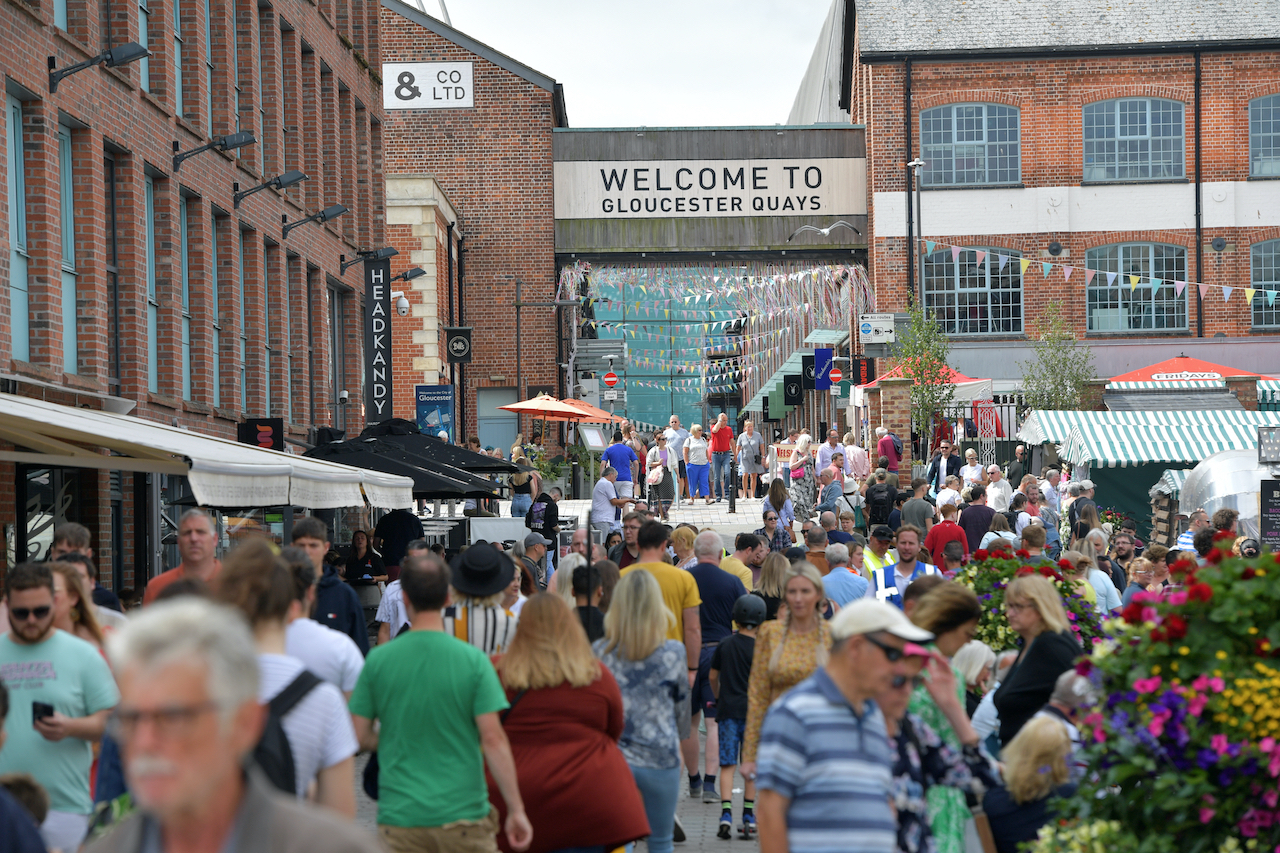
<point x="835" y="375"/>
<point x="610" y="379"/>
<point x="1269" y="515"/>
<point x="377" y="340"/>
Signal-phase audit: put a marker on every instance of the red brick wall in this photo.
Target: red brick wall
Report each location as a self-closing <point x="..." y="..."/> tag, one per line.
<point x="1050" y="94"/>
<point x="494" y="163"/>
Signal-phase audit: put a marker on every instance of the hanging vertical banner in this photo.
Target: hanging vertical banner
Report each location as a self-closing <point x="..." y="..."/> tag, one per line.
<point x="807" y="374"/>
<point x="764" y="408"/>
<point x="435" y="410"/>
<point x="863" y="370"/>
<point x="377" y="340"/>
<point x="822" y="368"/>
<point x="792" y="390"/>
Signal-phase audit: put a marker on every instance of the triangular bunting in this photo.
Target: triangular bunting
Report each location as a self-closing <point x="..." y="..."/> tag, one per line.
<point x="928" y="246"/>
<point x="1024" y="263"/>
<point x="1248" y="294"/>
<point x="1133" y="283"/>
<point x="1066" y="273"/>
<point x="1178" y="287"/>
<point x="1226" y="293"/>
<point x="1204" y="291"/>
<point x="1004" y="259"/>
<point x="1045" y="266"/>
<point x="955" y="253"/>
<point x="1111" y="279"/>
<point x="1271" y="297"/>
<point x="1155" y="285"/>
<point x="982" y="256"/>
<point x="1088" y="276"/>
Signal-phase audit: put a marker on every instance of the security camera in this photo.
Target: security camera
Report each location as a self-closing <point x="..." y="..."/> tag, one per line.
<point x="343" y="396"/>
<point x="402" y="307"/>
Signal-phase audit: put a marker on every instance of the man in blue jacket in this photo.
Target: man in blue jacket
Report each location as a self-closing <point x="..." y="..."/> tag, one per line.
<point x="337" y="605"/>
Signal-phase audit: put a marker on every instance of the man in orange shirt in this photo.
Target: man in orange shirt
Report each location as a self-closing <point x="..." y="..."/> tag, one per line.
<point x="945" y="531"/>
<point x="197" y="545"/>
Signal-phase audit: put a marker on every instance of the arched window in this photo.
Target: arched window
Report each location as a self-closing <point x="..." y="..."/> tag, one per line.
<point x="1264" y="136"/>
<point x="1133" y="288"/>
<point x="970" y="144"/>
<point x="1265" y="259"/>
<point x="1133" y="139"/>
<point x="972" y="295"/>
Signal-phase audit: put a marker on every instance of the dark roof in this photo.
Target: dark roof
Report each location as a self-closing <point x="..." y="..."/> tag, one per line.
<point x="905" y="27"/>
<point x="1171" y="401"/>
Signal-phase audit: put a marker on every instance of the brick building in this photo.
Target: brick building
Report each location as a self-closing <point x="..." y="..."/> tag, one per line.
<point x="1106" y="141"/>
<point x="130" y="284"/>
<point x="469" y="195"/>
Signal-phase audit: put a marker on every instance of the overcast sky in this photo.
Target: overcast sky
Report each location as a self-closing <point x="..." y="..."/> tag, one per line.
<point x="660" y="63"/>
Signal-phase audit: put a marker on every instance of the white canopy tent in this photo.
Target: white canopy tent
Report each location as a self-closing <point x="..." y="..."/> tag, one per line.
<point x="221" y="473"/>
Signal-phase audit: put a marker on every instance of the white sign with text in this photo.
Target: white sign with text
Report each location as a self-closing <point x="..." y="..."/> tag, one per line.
<point x="651" y="189"/>
<point x="427" y="85"/>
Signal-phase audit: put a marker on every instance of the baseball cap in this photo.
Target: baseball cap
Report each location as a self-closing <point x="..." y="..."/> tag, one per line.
<point x="869" y="617"/>
<point x="1086" y="484"/>
<point x="535" y="539"/>
<point x="882" y="531"/>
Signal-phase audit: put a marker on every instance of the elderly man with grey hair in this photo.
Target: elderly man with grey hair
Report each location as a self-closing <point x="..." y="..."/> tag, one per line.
<point x="1073" y="695"/>
<point x="605" y="503"/>
<point x="842" y="584"/>
<point x="187" y="723"/>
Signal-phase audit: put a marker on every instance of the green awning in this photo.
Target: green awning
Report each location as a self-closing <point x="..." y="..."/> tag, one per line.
<point x="1179" y="385"/>
<point x="1170" y="482"/>
<point x="1123" y="445"/>
<point x="791" y="367"/>
<point x="1053" y="426"/>
<point x="1269" y="390"/>
<point x="827" y="337"/>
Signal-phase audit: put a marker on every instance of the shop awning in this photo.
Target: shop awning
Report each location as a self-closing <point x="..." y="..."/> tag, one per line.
<point x="1170" y="482"/>
<point x="1125" y="445"/>
<point x="221" y="473"/>
<point x="967" y="388"/>
<point x="1269" y="391"/>
<point x="827" y="337"/>
<point x="431" y="480"/>
<point x="791" y="367"/>
<point x="1053" y="426"/>
<point x="405" y="433"/>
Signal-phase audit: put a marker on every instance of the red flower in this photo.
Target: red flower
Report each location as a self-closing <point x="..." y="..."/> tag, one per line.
<point x="1024" y="571"/>
<point x="1248" y="574"/>
<point x="1215" y="556"/>
<point x="1175" y="626"/>
<point x="1224" y="536"/>
<point x="1084" y="667"/>
<point x="980" y="554"/>
<point x="1158" y="636"/>
<point x="1022" y="554"/>
<point x="1132" y="613"/>
<point x="1200" y="592"/>
<point x="1182" y="566"/>
<point x="1065" y="565"/>
<point x="1048" y="572"/>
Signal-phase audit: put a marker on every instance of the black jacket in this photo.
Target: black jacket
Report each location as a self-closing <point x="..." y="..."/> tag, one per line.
<point x="953" y="467"/>
<point x="338" y="607"/>
<point x="1031" y="679"/>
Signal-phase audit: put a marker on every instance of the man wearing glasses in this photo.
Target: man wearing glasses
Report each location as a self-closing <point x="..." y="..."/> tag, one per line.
<point x="61" y="692"/>
<point x="943" y="465"/>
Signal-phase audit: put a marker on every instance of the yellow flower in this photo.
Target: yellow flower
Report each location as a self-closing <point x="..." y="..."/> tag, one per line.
<point x="1253" y="629"/>
<point x="1155" y="670"/>
<point x="1184" y="650"/>
<point x="1220" y="655"/>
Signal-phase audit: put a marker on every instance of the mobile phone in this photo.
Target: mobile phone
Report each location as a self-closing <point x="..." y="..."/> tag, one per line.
<point x="41" y="710"/>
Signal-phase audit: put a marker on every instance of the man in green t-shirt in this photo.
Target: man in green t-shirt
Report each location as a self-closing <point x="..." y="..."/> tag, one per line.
<point x="61" y="692"/>
<point x="437" y="701"/>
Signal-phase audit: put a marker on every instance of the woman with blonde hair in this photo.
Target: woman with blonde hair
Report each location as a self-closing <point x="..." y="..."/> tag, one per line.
<point x="1035" y="769"/>
<point x="1049" y="648"/>
<point x="804" y="481"/>
<point x="650" y="671"/>
<point x="562" y="581"/>
<point x="563" y="724"/>
<point x="1078" y="574"/>
<point x="682" y="543"/>
<point x="787" y="651"/>
<point x="772" y="586"/>
<point x="976" y="663"/>
<point x="524" y="485"/>
<point x="697" y="463"/>
<point x="73" y="609"/>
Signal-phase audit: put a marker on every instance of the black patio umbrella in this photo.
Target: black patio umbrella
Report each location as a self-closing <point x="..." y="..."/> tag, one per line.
<point x="407" y="435"/>
<point x="426" y="484"/>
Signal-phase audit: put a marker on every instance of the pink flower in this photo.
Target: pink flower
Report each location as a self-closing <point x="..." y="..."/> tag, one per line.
<point x="1206" y="815"/>
<point x="1177" y="598"/>
<point x="1196" y="706"/>
<point x="1149" y="614"/>
<point x="1270" y="797"/>
<point x="1148" y="685"/>
<point x="1267" y="744"/>
<point x="1156" y="726"/>
<point x="1217" y="685"/>
<point x="1200" y="683"/>
<point x="1219" y="744"/>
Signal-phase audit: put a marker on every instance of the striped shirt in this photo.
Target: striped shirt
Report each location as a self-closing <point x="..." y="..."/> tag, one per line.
<point x="1186" y="540"/>
<point x="489" y="629"/>
<point x="319" y="727"/>
<point x="833" y="764"/>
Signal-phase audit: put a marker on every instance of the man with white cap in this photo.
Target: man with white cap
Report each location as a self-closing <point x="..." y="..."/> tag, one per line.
<point x="825" y="741"/>
<point x="1085" y="499"/>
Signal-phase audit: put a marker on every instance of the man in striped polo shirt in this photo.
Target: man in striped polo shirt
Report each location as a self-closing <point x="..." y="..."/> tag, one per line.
<point x="824" y="759"/>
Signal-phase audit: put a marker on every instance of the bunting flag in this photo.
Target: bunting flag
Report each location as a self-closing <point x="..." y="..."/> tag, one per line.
<point x="1088" y="276"/>
<point x="1178" y="287"/>
<point x="1226" y="293"/>
<point x="1023" y="264"/>
<point x="1204" y="291"/>
<point x="1248" y="295"/>
<point x="1066" y="272"/>
<point x="955" y="253"/>
<point x="1133" y="283"/>
<point x="1111" y="279"/>
<point x="1004" y="259"/>
<point x="982" y="256"/>
<point x="1271" y="297"/>
<point x="1155" y="285"/>
<point x="928" y="246"/>
<point x="1045" y="267"/>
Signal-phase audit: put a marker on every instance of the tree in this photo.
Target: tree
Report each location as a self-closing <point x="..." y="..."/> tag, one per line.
<point x="1057" y="376"/>
<point x="923" y="350"/>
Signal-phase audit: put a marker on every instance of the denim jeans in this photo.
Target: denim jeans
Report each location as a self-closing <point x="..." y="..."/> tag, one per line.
<point x="659" y="790"/>
<point x="699" y="482"/>
<point x="720" y="472"/>
<point x="520" y="505"/>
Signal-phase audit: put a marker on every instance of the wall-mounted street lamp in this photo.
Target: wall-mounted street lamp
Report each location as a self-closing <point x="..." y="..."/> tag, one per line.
<point x="279" y="182"/>
<point x="333" y="211"/>
<point x="409" y="274"/>
<point x="114" y="58"/>
<point x="366" y="255"/>
<point x="219" y="143"/>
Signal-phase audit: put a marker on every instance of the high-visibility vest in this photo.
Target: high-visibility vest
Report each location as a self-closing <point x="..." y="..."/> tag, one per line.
<point x="885" y="579"/>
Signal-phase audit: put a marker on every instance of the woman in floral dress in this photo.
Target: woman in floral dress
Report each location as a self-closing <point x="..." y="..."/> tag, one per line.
<point x="804" y="484"/>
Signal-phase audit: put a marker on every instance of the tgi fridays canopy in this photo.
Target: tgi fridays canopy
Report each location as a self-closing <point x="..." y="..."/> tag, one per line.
<point x="1053" y="426"/>
<point x="221" y="473"/>
<point x="1112" y="445"/>
<point x="1181" y="369"/>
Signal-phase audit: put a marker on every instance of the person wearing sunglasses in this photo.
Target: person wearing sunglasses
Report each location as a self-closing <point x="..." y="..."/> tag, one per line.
<point x="922" y="759"/>
<point x="825" y="741"/>
<point x="62" y="692"/>
<point x="775" y="536"/>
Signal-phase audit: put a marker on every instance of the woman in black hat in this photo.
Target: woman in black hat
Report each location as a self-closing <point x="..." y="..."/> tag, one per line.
<point x="478" y="582"/>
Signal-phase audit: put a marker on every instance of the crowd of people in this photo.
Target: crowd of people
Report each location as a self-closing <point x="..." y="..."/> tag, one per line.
<point x="511" y="701"/>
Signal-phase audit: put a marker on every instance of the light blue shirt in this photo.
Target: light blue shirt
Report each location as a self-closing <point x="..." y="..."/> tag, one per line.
<point x="844" y="585"/>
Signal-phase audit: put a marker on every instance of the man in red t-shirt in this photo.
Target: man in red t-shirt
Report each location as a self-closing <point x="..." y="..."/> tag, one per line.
<point x="885" y="448"/>
<point x="945" y="531"/>
<point x="197" y="545"/>
<point x="721" y="456"/>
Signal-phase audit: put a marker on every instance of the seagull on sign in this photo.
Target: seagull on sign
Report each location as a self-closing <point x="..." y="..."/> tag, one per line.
<point x="825" y="232"/>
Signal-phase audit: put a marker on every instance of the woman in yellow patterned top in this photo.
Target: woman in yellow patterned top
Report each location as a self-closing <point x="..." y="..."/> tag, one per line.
<point x="787" y="651"/>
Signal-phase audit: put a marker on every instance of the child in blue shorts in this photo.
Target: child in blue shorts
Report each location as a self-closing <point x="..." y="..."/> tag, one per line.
<point x="729" y="676"/>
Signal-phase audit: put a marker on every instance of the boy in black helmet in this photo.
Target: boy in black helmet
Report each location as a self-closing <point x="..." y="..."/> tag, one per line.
<point x="729" y="675"/>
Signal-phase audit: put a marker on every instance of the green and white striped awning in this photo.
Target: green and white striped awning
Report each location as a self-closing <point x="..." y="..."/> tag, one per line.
<point x="1170" y="482"/>
<point x="1269" y="390"/>
<point x="791" y="367"/>
<point x="1053" y="426"/>
<point x="1182" y="385"/>
<point x="1121" y="445"/>
<point x="827" y="337"/>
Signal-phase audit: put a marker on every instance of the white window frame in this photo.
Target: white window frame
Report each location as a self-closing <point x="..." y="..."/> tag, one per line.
<point x="66" y="204"/>
<point x="184" y="265"/>
<point x="931" y="177"/>
<point x="948" y="316"/>
<point x="1264" y="275"/>
<point x="1111" y="166"/>
<point x="215" y="312"/>
<point x="208" y="67"/>
<point x="153" y="302"/>
<point x="179" y="106"/>
<point x="1270" y="167"/>
<point x="144" y="38"/>
<point x="19" y="286"/>
<point x="1143" y="296"/>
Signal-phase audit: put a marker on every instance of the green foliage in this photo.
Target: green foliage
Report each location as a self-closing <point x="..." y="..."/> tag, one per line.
<point x="922" y="350"/>
<point x="548" y="467"/>
<point x="1183" y="743"/>
<point x="1057" y="376"/>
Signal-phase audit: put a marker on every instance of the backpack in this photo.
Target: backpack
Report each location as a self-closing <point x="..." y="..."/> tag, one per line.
<point x="897" y="444"/>
<point x="273" y="754"/>
<point x="1011" y="517"/>
<point x="879" y="504"/>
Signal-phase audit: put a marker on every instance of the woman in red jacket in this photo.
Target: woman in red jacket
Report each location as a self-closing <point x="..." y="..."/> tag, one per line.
<point x="563" y="724"/>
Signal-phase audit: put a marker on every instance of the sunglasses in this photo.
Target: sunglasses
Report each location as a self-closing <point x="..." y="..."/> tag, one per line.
<point x="770" y="518"/>
<point x="22" y="614"/>
<point x="891" y="653"/>
<point x="900" y="681"/>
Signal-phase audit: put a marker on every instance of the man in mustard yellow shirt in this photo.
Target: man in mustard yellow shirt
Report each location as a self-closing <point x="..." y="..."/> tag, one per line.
<point x="746" y="554"/>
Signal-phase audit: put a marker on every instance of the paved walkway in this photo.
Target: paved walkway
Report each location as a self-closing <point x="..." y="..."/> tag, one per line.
<point x="715" y="515"/>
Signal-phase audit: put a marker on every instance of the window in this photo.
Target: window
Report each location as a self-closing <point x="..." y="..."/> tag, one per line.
<point x="112" y="258"/>
<point x="144" y="39"/>
<point x="243" y="316"/>
<point x="178" y="106"/>
<point x="184" y="264"/>
<point x="1266" y="278"/>
<point x="153" y="304"/>
<point x="270" y="265"/>
<point x="337" y="354"/>
<point x="1264" y="136"/>
<point x="234" y="42"/>
<point x="66" y="204"/>
<point x="215" y="311"/>
<point x="19" y="293"/>
<point x="208" y="67"/>
<point x="265" y="144"/>
<point x="60" y="14"/>
<point x="969" y="295"/>
<point x="966" y="144"/>
<point x="1133" y="139"/>
<point x="1133" y="287"/>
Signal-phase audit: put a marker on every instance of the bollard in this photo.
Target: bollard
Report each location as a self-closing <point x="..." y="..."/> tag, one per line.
<point x="733" y="483"/>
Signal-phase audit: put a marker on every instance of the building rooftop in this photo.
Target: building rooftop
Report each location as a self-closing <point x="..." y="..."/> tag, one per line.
<point x="899" y="28"/>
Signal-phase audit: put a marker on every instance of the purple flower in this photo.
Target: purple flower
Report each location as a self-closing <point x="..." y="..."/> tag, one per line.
<point x="1206" y="758"/>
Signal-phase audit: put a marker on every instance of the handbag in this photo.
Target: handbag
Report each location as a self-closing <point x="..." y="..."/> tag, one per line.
<point x="758" y="459"/>
<point x="654" y="477"/>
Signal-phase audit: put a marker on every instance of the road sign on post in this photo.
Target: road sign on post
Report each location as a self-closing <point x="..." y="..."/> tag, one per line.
<point x="835" y="375"/>
<point x="610" y="379"/>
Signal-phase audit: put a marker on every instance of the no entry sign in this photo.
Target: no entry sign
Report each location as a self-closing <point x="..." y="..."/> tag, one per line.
<point x="610" y="379"/>
<point x="835" y="375"/>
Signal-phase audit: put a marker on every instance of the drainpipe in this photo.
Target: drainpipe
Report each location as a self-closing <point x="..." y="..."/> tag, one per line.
<point x="911" y="242"/>
<point x="462" y="368"/>
<point x="1199" y="214"/>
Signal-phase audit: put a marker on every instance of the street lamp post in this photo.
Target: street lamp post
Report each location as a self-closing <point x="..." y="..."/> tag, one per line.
<point x="917" y="165"/>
